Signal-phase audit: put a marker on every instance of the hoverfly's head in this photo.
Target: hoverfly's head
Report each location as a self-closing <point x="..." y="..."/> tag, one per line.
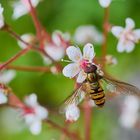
<point x="90" y="68"/>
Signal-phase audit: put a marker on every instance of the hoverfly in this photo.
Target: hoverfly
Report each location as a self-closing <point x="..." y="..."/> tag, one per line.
<point x="96" y="85"/>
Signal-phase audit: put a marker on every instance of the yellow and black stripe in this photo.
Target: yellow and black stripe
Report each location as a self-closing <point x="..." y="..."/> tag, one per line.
<point x="98" y="96"/>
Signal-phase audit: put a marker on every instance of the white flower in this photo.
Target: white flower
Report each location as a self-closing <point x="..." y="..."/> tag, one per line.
<point x="127" y="36"/>
<point x="1" y="17"/>
<point x="56" y="48"/>
<point x="79" y="62"/>
<point x="3" y="97"/>
<point x="130" y="112"/>
<point x="87" y="33"/>
<point x="22" y="7"/>
<point x="29" y="38"/>
<point x="7" y="76"/>
<point x="34" y="114"/>
<point x="72" y="113"/>
<point x="105" y="3"/>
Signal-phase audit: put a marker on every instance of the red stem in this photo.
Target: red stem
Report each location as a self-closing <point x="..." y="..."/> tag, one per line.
<point x="105" y="33"/>
<point x="71" y="135"/>
<point x="41" y="33"/>
<point x="20" y="53"/>
<point x="35" y="20"/>
<point x="29" y="69"/>
<point x="87" y="117"/>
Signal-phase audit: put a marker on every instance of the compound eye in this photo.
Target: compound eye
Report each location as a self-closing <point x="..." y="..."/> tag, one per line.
<point x="90" y="68"/>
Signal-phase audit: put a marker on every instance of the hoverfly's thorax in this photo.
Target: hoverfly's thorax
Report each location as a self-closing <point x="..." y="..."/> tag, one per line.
<point x="91" y="77"/>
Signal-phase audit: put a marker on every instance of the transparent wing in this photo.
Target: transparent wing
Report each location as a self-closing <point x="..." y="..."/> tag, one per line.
<point x="77" y="96"/>
<point x="119" y="87"/>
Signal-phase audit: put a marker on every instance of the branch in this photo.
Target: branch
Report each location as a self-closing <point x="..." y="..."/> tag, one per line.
<point x="29" y="68"/>
<point x="41" y="50"/>
<point x="15" y="57"/>
<point x="71" y="135"/>
<point x="87" y="117"/>
<point x="35" y="20"/>
<point x="105" y="33"/>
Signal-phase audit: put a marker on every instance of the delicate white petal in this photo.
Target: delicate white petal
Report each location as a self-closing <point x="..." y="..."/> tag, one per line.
<point x="21" y="8"/>
<point x="56" y="38"/>
<point x="7" y="76"/>
<point x="116" y="31"/>
<point x="29" y="38"/>
<point x="104" y="3"/>
<point x="1" y="17"/>
<point x="81" y="76"/>
<point x="29" y="118"/>
<point x="71" y="70"/>
<point x="72" y="113"/>
<point x="88" y="52"/>
<point x="125" y="45"/>
<point x="35" y="128"/>
<point x="31" y="100"/>
<point x="136" y="35"/>
<point x="3" y="98"/>
<point x="129" y="46"/>
<point x="130" y="24"/>
<point x="74" y="53"/>
<point x="56" y="52"/>
<point x="87" y="33"/>
<point x="120" y="46"/>
<point x="41" y="112"/>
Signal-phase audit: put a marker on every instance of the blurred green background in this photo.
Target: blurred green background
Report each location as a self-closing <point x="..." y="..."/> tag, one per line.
<point x="67" y="15"/>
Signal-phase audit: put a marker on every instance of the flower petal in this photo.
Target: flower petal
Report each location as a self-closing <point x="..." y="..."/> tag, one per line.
<point x="56" y="38"/>
<point x="3" y="98"/>
<point x="22" y="7"/>
<point x="129" y="46"/>
<point x="116" y="31"/>
<point x="74" y="53"/>
<point x="1" y="17"/>
<point x="81" y="76"/>
<point x="104" y="3"/>
<point x="137" y="35"/>
<point x="120" y="46"/>
<point x="71" y="70"/>
<point x="130" y="24"/>
<point x="56" y="52"/>
<point x="31" y="100"/>
<point x="41" y="112"/>
<point x="88" y="52"/>
<point x="7" y="76"/>
<point x="35" y="127"/>
<point x="72" y="113"/>
<point x="87" y="33"/>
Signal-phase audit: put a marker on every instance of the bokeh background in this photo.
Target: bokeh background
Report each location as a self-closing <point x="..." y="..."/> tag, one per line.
<point x="67" y="15"/>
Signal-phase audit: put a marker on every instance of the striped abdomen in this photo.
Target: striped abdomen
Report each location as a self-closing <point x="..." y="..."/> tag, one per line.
<point x="98" y="96"/>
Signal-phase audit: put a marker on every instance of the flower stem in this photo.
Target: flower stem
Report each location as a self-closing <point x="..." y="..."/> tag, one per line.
<point x="15" y="57"/>
<point x="42" y="35"/>
<point x="71" y="135"/>
<point x="87" y="117"/>
<point x="35" y="20"/>
<point x="105" y="33"/>
<point x="41" y="50"/>
<point x="29" y="68"/>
